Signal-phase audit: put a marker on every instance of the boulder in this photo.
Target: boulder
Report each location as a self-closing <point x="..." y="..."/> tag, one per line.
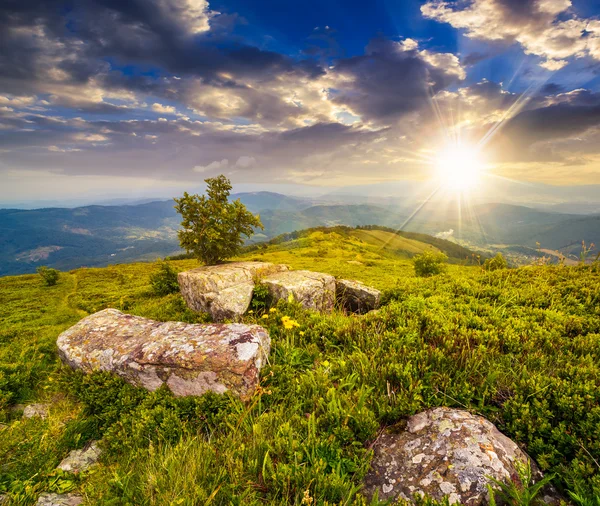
<point x="80" y="460"/>
<point x="446" y="453"/>
<point x="189" y="359"/>
<point x="355" y="296"/>
<point x="59" y="500"/>
<point x="225" y="290"/>
<point x="36" y="410"/>
<point x="313" y="290"/>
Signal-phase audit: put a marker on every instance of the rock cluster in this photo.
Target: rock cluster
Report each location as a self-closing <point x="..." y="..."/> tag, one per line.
<point x="225" y="291"/>
<point x="446" y="453"/>
<point x="189" y="359"/>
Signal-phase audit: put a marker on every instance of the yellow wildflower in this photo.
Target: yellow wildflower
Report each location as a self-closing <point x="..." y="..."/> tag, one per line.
<point x="301" y="332"/>
<point x="265" y="316"/>
<point x="272" y="310"/>
<point x="325" y="363"/>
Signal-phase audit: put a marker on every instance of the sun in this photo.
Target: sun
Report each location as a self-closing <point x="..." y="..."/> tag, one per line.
<point x="459" y="167"/>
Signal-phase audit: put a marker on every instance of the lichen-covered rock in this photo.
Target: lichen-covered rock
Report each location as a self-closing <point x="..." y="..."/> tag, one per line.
<point x="203" y="288"/>
<point x="232" y="302"/>
<point x="189" y="359"/>
<point x="36" y="410"/>
<point x="446" y="453"/>
<point x="59" y="500"/>
<point x="80" y="460"/>
<point x="355" y="296"/>
<point x="313" y="290"/>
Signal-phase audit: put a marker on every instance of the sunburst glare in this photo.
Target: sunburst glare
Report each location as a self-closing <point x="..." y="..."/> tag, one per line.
<point x="459" y="167"/>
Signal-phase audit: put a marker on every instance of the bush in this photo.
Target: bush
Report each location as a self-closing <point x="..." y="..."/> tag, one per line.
<point x="429" y="263"/>
<point x="164" y="279"/>
<point x="493" y="264"/>
<point x="49" y="275"/>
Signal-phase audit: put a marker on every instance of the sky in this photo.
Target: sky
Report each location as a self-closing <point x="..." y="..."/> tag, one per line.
<point x="150" y="97"/>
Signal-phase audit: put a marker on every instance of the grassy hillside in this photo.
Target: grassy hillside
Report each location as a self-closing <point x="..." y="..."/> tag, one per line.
<point x="519" y="346"/>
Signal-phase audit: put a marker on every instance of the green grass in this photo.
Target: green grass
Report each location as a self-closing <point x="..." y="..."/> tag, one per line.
<point x="519" y="346"/>
<point x="392" y="242"/>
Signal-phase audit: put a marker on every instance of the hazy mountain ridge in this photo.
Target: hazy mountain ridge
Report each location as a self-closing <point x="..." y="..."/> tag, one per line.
<point x="100" y="235"/>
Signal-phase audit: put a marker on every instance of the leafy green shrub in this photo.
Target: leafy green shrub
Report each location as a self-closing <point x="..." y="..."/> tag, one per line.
<point x="493" y="264"/>
<point x="429" y="263"/>
<point x="49" y="275"/>
<point x="164" y="279"/>
<point x="260" y="297"/>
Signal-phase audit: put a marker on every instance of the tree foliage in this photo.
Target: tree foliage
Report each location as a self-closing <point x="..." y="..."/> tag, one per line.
<point x="212" y="226"/>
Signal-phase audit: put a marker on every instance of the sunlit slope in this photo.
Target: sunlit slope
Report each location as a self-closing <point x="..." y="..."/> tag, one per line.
<point x="375" y="256"/>
<point x="392" y="242"/>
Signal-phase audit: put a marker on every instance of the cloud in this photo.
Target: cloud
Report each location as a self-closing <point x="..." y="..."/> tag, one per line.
<point x="213" y="166"/>
<point x="163" y="109"/>
<point x="392" y="79"/>
<point x="445" y="235"/>
<point x="545" y="28"/>
<point x="244" y="162"/>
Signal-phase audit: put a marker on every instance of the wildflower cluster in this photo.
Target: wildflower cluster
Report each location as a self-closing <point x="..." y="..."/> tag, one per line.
<point x="288" y="323"/>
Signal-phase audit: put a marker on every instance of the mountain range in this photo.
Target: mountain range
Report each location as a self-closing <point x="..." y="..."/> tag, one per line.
<point x="67" y="238"/>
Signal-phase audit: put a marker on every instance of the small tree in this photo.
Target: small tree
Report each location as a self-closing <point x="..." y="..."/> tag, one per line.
<point x="49" y="275"/>
<point x="493" y="264"/>
<point x="429" y="263"/>
<point x="213" y="226"/>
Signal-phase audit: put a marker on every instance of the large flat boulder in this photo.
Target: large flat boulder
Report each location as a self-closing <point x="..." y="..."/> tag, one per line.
<point x="225" y="290"/>
<point x="189" y="359"/>
<point x="314" y="290"/>
<point x="355" y="296"/>
<point x="446" y="453"/>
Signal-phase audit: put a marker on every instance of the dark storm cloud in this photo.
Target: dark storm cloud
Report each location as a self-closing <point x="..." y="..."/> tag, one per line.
<point x="389" y="81"/>
<point x="42" y="49"/>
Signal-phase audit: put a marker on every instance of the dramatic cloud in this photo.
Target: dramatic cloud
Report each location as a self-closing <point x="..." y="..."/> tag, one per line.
<point x="169" y="90"/>
<point x="392" y="79"/>
<point x="542" y="27"/>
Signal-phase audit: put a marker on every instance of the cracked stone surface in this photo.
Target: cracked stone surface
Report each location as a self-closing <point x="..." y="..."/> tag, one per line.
<point x="59" y="500"/>
<point x="446" y="453"/>
<point x="33" y="410"/>
<point x="81" y="460"/>
<point x="225" y="290"/>
<point x="189" y="359"/>
<point x="314" y="290"/>
<point x="355" y="296"/>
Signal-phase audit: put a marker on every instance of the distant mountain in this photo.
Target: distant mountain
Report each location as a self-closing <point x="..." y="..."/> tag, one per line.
<point x="102" y="235"/>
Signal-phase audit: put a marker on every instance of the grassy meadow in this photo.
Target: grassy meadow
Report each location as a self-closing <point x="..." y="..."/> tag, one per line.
<point x="518" y="346"/>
